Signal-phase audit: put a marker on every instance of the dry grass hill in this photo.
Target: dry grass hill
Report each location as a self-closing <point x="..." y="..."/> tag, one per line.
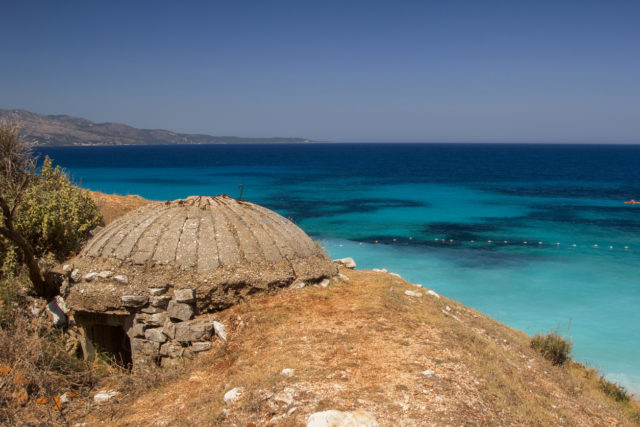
<point x="371" y="342"/>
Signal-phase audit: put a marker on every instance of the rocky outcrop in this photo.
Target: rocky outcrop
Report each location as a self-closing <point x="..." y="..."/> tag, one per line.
<point x="346" y="262"/>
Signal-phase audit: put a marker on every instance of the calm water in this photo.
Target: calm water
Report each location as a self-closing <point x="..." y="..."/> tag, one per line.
<point x="390" y="205"/>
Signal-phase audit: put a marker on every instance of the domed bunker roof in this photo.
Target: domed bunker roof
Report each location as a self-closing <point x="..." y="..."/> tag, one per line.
<point x="221" y="248"/>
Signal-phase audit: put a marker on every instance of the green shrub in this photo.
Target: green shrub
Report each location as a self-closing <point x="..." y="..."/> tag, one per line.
<point x="552" y="346"/>
<point x="55" y="216"/>
<point x="613" y="390"/>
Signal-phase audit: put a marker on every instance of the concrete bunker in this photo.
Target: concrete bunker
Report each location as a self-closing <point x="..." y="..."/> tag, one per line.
<point x="146" y="284"/>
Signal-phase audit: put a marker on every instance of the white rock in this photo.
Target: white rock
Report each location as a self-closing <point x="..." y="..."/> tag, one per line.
<point x="220" y="330"/>
<point x="413" y="293"/>
<point x="121" y="279"/>
<point x="380" y="270"/>
<point x="291" y="411"/>
<point x="287" y="372"/>
<point x="428" y="373"/>
<point x="298" y="285"/>
<point x="396" y="275"/>
<point x="105" y="396"/>
<point x="448" y="308"/>
<point x="67" y="268"/>
<point x="432" y="293"/>
<point x="36" y="308"/>
<point x="62" y="304"/>
<point x="325" y="283"/>
<point x="65" y="398"/>
<point x="105" y="274"/>
<point x="347" y="262"/>
<point x="58" y="317"/>
<point x="90" y="276"/>
<point x="184" y="295"/>
<point x="343" y="277"/>
<point x="287" y="396"/>
<point x="333" y="418"/>
<point x="154" y="292"/>
<point x="75" y="275"/>
<point x="233" y="395"/>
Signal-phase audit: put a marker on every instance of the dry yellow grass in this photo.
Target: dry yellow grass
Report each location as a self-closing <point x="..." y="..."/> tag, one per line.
<point x="112" y="206"/>
<point x="364" y="344"/>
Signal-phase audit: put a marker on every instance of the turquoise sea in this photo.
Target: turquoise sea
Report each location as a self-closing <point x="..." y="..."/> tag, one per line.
<point x="536" y="236"/>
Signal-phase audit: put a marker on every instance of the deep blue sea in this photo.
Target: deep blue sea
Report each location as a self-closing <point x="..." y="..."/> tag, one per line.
<point x="536" y="236"/>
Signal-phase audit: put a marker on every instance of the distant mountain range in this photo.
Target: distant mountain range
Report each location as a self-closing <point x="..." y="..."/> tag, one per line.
<point x="67" y="130"/>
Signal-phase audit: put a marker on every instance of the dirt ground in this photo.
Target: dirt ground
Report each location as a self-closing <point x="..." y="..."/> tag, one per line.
<point x="364" y="344"/>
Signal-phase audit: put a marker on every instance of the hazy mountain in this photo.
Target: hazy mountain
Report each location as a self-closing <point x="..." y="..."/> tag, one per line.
<point x="68" y="130"/>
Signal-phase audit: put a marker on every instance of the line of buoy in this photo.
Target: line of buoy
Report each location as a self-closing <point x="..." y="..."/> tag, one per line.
<point x="506" y="242"/>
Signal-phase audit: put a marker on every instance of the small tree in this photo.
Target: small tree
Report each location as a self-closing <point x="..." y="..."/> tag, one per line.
<point x="43" y="214"/>
<point x="16" y="169"/>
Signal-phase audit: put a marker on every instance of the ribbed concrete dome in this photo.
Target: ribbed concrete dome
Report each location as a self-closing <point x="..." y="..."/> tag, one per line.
<point x="221" y="248"/>
<point x="202" y="232"/>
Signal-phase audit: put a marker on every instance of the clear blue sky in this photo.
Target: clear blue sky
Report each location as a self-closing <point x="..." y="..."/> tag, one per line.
<point x="549" y="71"/>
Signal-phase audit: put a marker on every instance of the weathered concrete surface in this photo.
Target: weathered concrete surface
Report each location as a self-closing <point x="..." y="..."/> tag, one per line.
<point x="219" y="248"/>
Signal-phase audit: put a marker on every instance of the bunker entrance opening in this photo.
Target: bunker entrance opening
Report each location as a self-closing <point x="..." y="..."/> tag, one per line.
<point x="112" y="342"/>
<point x="106" y="336"/>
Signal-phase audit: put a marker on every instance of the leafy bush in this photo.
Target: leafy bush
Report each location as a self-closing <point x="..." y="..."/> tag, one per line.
<point x="56" y="216"/>
<point x="53" y="215"/>
<point x="552" y="346"/>
<point x="613" y="390"/>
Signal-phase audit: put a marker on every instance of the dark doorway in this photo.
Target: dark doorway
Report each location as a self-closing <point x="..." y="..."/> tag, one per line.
<point x="112" y="341"/>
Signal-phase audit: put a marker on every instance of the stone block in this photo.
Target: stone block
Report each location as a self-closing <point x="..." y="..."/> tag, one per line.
<point x="134" y="301"/>
<point x="138" y="330"/>
<point x="160" y="301"/>
<point x="197" y="347"/>
<point x="179" y="311"/>
<point x="184" y="295"/>
<point x="157" y="319"/>
<point x="140" y="318"/>
<point x="201" y="330"/>
<point x="155" y="335"/>
<point x="171" y="350"/>
<point x="169" y="330"/>
<point x="197" y="330"/>
<point x="151" y="310"/>
<point x="145" y="347"/>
